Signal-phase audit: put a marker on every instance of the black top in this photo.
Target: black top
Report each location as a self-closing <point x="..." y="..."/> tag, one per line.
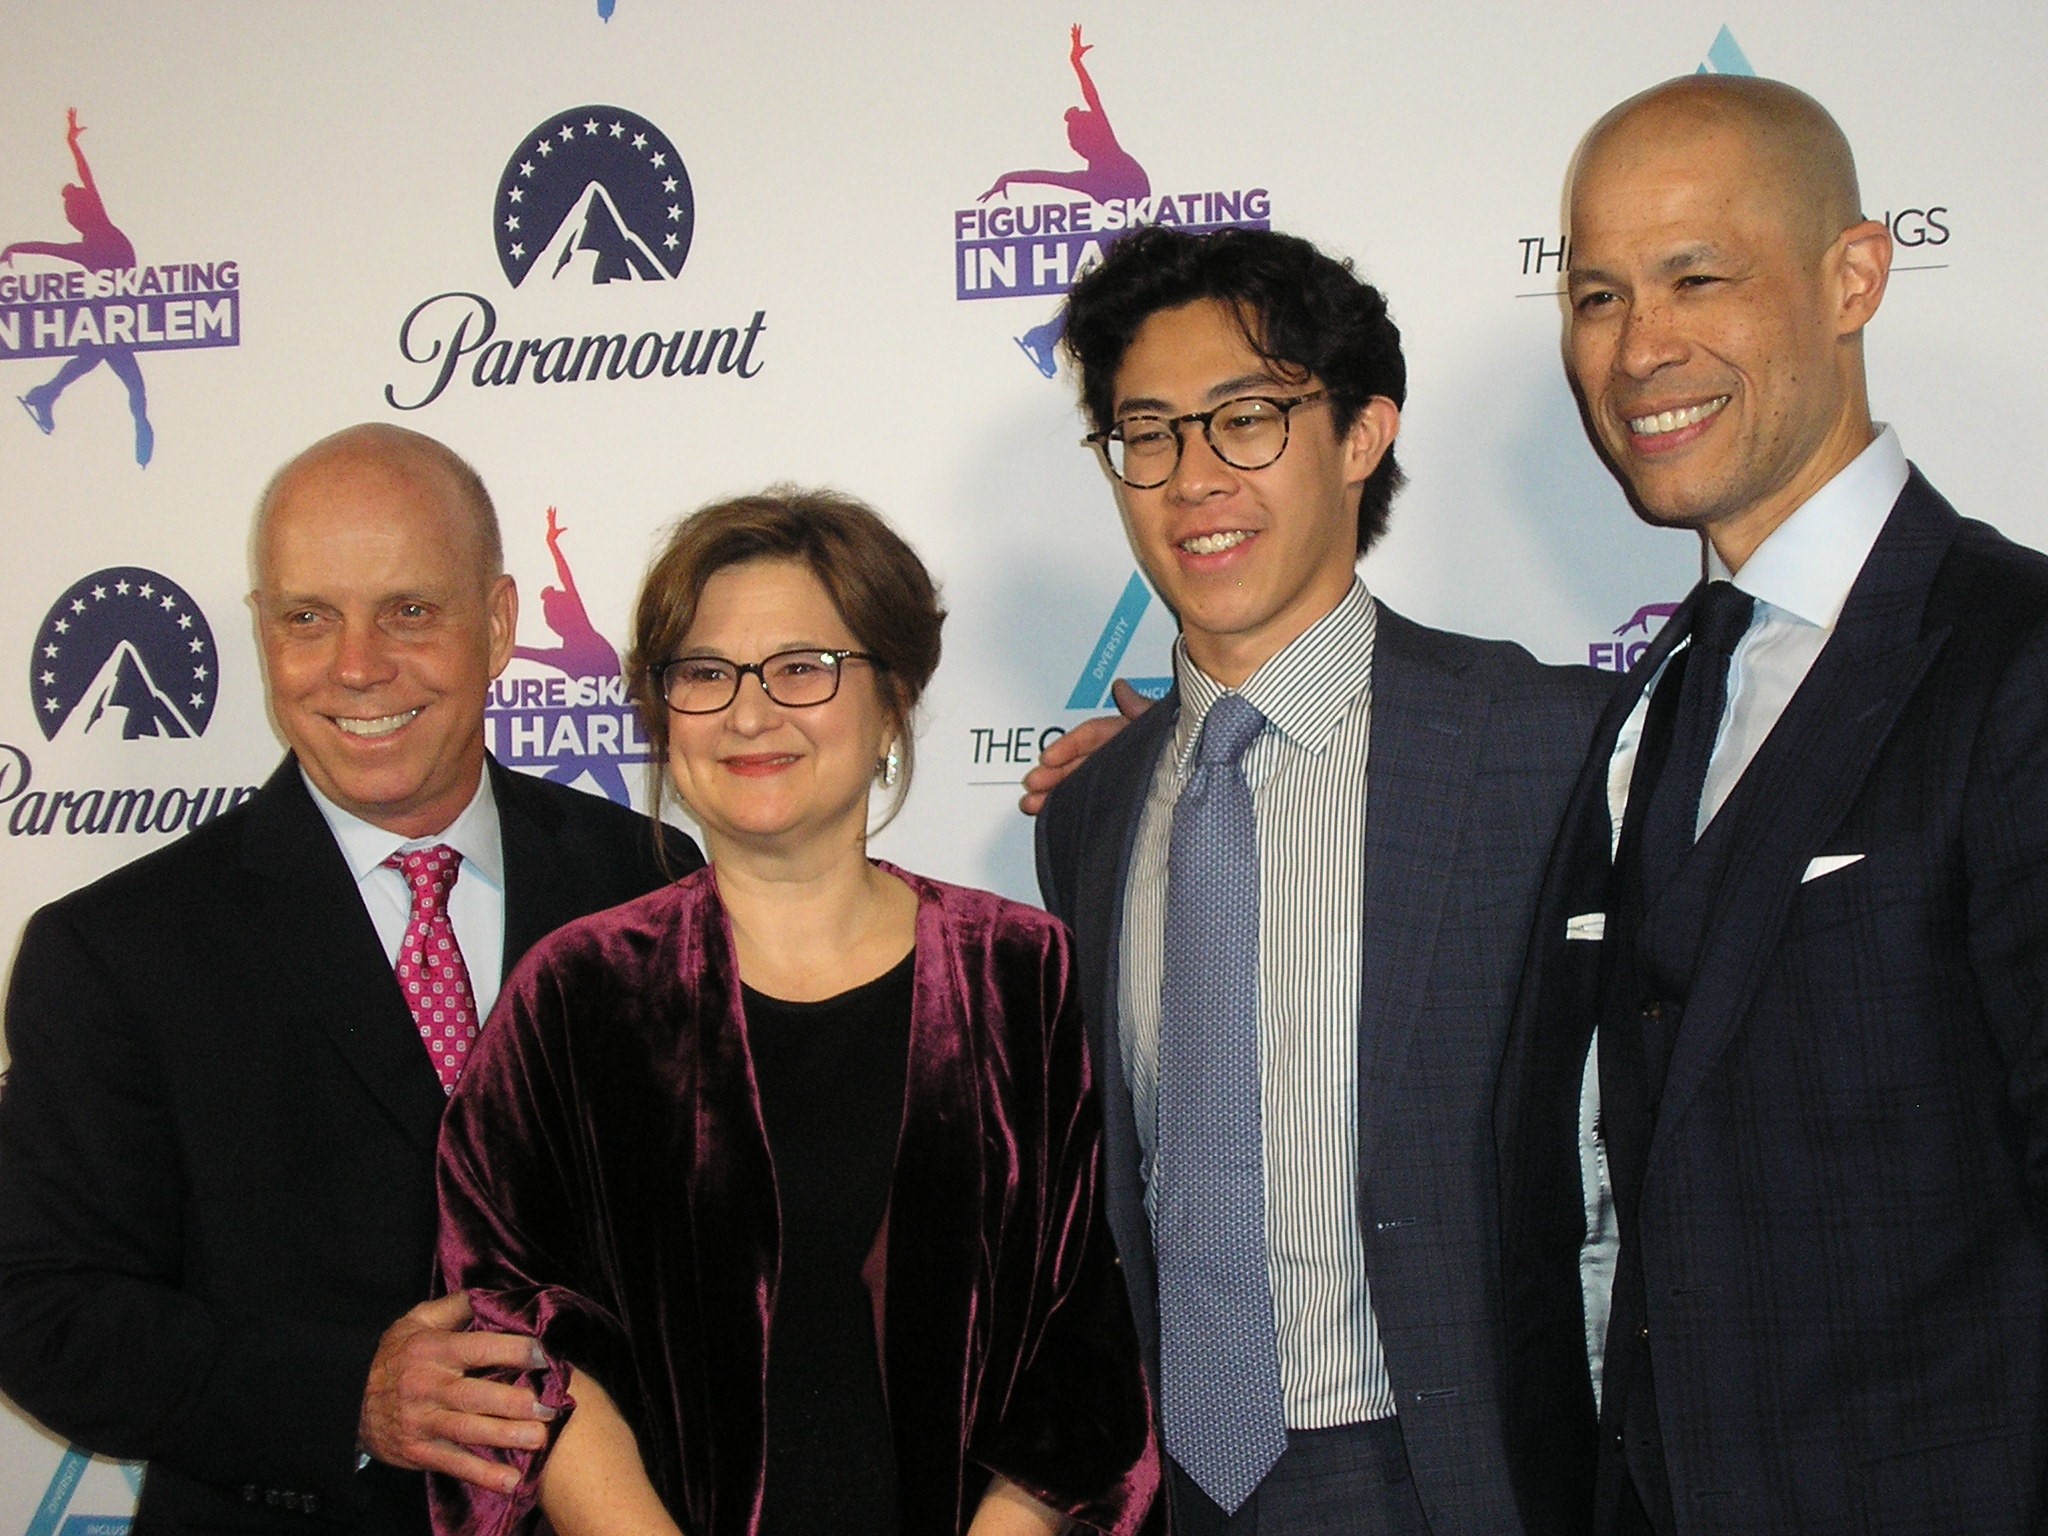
<point x="831" y="1076"/>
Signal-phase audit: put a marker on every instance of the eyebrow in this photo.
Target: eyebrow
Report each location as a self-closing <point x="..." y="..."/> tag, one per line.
<point x="1687" y="258"/>
<point x="1229" y="389"/>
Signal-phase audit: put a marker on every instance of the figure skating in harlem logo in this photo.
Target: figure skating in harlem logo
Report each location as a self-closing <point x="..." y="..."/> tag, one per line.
<point x="124" y="654"/>
<point x="90" y="302"/>
<point x="1008" y="248"/>
<point x="579" y="722"/>
<point x="594" y="195"/>
<point x="1632" y="637"/>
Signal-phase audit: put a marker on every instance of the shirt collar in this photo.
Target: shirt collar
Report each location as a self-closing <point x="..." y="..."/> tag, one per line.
<point x="474" y="834"/>
<point x="1303" y="691"/>
<point x="1810" y="561"/>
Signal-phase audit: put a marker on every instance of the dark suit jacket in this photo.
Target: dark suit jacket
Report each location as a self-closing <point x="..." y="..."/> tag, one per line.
<point x="1844" y="1244"/>
<point x="1473" y="749"/>
<point x="217" y="1152"/>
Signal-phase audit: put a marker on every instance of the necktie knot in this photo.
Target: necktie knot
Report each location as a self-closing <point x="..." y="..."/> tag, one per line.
<point x="1722" y="618"/>
<point x="1228" y="731"/>
<point x="428" y="873"/>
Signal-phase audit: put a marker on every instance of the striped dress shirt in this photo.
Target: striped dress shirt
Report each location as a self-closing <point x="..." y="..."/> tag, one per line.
<point x="1307" y="775"/>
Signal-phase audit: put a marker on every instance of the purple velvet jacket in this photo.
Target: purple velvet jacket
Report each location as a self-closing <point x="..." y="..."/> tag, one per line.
<point x="606" y="1186"/>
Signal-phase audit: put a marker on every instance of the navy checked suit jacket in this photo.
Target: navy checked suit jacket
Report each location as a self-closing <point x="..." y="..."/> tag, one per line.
<point x="1474" y="746"/>
<point x="217" y="1152"/>
<point x="1843" y="1236"/>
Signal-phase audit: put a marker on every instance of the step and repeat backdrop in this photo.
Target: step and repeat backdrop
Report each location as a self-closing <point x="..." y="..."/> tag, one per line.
<point x="631" y="255"/>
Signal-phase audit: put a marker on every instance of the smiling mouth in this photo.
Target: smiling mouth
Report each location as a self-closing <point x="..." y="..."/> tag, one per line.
<point x="1658" y="423"/>
<point x="382" y="725"/>
<point x="1215" y="543"/>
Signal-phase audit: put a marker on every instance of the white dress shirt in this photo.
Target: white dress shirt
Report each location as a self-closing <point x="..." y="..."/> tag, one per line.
<point x="1307" y="775"/>
<point x="476" y="902"/>
<point x="1800" y="577"/>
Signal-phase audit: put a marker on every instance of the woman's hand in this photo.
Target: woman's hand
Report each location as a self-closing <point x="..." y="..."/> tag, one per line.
<point x="594" y="1483"/>
<point x="1007" y="1510"/>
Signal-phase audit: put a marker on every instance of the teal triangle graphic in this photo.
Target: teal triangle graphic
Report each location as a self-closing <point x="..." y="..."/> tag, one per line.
<point x="1725" y="57"/>
<point x="51" y="1518"/>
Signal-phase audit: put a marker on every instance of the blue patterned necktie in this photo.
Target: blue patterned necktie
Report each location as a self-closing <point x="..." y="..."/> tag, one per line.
<point x="1219" y="1357"/>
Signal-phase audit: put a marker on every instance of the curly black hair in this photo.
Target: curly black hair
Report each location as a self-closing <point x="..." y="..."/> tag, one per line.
<point x="1303" y="312"/>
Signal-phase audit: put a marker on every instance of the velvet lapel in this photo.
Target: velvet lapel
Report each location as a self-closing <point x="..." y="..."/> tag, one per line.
<point x="1807" y="775"/>
<point x="1419" y="770"/>
<point x="540" y="895"/>
<point x="928" y="1298"/>
<point x="734" y="1221"/>
<point x="328" y="958"/>
<point x="1099" y="913"/>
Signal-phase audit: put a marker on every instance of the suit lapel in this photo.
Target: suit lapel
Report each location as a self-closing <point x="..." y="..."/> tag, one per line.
<point x="1426" y="719"/>
<point x="540" y="894"/>
<point x="1807" y="775"/>
<point x="328" y="959"/>
<point x="1110" y="837"/>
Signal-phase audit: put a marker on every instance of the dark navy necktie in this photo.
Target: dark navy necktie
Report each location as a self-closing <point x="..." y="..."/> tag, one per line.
<point x="1671" y="817"/>
<point x="1220" y="1398"/>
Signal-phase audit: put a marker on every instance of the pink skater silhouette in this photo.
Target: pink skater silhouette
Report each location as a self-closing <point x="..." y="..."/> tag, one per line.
<point x="101" y="247"/>
<point x="583" y="652"/>
<point x="1110" y="172"/>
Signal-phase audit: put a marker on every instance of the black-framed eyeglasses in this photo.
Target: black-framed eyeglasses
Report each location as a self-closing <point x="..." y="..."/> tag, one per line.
<point x="703" y="685"/>
<point x="1249" y="432"/>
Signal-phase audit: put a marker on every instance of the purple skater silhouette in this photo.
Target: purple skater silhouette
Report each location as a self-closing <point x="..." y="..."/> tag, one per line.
<point x="1110" y="172"/>
<point x="101" y="247"/>
<point x="583" y="652"/>
<point x="1643" y="615"/>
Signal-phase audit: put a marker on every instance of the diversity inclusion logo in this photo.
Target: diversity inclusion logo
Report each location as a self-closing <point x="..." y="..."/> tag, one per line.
<point x="91" y="302"/>
<point x="53" y="1515"/>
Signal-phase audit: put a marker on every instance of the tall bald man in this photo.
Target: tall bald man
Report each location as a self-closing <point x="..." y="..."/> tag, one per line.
<point x="218" y="1130"/>
<point x="1785" y="1025"/>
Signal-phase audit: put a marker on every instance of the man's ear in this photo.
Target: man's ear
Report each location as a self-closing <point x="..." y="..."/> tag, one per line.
<point x="504" y="618"/>
<point x="1372" y="433"/>
<point x="1860" y="264"/>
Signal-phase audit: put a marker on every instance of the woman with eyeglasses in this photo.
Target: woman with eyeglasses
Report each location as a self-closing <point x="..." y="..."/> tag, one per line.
<point x="792" y="1167"/>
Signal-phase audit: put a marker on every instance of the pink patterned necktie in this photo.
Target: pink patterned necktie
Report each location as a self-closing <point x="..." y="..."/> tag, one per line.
<point x="430" y="968"/>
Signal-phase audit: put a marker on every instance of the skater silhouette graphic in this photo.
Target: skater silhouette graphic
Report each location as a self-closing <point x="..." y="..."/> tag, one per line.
<point x="100" y="247"/>
<point x="1110" y="172"/>
<point x="583" y="652"/>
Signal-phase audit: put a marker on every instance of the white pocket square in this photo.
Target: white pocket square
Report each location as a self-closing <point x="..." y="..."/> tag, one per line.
<point x="1587" y="925"/>
<point x="1828" y="863"/>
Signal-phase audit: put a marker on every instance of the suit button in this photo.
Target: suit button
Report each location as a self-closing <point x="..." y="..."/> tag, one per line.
<point x="270" y="1497"/>
<point x="1617" y="1439"/>
<point x="1651" y="1011"/>
<point x="249" y="1493"/>
<point x="1643" y="1333"/>
<point x="309" y="1503"/>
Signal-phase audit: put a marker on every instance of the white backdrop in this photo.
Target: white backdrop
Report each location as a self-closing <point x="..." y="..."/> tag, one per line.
<point x="315" y="175"/>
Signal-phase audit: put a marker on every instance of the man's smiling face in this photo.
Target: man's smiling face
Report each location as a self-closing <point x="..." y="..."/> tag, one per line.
<point x="382" y="627"/>
<point x="1708" y="328"/>
<point x="1248" y="559"/>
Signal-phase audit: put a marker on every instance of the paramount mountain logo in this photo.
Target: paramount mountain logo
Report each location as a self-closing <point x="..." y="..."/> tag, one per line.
<point x="612" y="190"/>
<point x="594" y="201"/>
<point x="125" y="657"/>
<point x="124" y="653"/>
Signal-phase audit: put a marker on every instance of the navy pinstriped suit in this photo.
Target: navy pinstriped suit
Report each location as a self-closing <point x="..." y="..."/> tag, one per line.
<point x="1472" y="752"/>
<point x="1841" y="1222"/>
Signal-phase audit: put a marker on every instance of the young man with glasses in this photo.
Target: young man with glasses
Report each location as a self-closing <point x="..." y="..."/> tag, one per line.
<point x="1301" y="889"/>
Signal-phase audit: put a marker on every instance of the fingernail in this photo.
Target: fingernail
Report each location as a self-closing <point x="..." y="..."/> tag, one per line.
<point x="536" y="1357"/>
<point x="543" y="1412"/>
